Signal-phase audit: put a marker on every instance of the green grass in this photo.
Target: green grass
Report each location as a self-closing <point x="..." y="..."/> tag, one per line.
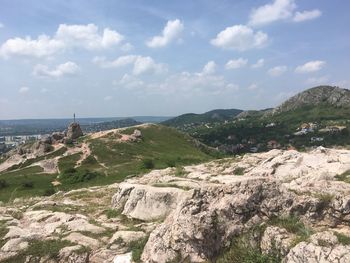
<point x="293" y="225"/>
<point x="111" y="213"/>
<point x="345" y="177"/>
<point x="242" y="250"/>
<point x="16" y="180"/>
<point x="238" y="171"/>
<point x="342" y="239"/>
<point x="160" y="146"/>
<point x="137" y="247"/>
<point x="68" y="162"/>
<point x="180" y="171"/>
<point x="40" y="248"/>
<point x="111" y="161"/>
<point x="3" y="232"/>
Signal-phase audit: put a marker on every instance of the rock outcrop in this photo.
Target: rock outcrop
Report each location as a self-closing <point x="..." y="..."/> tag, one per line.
<point x="330" y="95"/>
<point x="74" y="131"/>
<point x="289" y="205"/>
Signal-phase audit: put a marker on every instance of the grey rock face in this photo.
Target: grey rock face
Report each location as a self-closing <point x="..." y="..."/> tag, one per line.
<point x="74" y="131"/>
<point x="334" y="96"/>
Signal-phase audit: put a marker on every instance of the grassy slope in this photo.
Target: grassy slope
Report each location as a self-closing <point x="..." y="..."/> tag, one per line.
<point x="254" y="127"/>
<point x="220" y="115"/>
<point x="162" y="145"/>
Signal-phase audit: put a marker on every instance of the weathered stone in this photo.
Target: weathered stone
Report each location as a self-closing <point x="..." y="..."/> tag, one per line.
<point x="73" y="255"/>
<point x="276" y="239"/>
<point x="127" y="236"/>
<point x="74" y="131"/>
<point x="83" y="240"/>
<point x="146" y="202"/>
<point x="323" y="247"/>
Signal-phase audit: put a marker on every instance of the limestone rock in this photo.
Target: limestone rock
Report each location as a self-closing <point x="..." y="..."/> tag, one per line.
<point x="146" y="202"/>
<point x="83" y="240"/>
<point x="72" y="255"/>
<point x="127" y="236"/>
<point x="276" y="239"/>
<point x="323" y="247"/>
<point x="125" y="258"/>
<point x="74" y="131"/>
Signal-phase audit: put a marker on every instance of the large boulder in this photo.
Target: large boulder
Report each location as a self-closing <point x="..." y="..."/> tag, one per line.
<point x="146" y="202"/>
<point x="74" y="131"/>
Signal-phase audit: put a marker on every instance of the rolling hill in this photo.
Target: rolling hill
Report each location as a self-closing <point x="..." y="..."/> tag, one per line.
<point x="96" y="159"/>
<point x="219" y="115"/>
<point x="326" y="108"/>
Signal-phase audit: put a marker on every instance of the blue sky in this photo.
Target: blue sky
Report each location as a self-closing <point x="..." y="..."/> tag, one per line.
<point x="127" y="58"/>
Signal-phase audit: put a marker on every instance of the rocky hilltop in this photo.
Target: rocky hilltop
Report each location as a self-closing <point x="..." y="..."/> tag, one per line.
<point x="333" y="96"/>
<point x="278" y="206"/>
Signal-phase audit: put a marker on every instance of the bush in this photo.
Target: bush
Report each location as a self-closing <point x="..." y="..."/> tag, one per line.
<point x="3" y="184"/>
<point x="239" y="171"/>
<point x="73" y="176"/>
<point x="49" y="191"/>
<point x="27" y="184"/>
<point x="242" y="250"/>
<point x="170" y="163"/>
<point x="137" y="248"/>
<point x="147" y="164"/>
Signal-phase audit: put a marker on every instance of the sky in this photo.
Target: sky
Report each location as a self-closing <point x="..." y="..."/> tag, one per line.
<point x="107" y="58"/>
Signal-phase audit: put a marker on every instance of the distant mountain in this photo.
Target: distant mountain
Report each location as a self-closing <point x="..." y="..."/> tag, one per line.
<point x="219" y="115"/>
<point x="325" y="108"/>
<point x="321" y="95"/>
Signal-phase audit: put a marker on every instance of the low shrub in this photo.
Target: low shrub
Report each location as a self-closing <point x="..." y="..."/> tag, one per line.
<point x="3" y="184"/>
<point x="147" y="164"/>
<point x="27" y="184"/>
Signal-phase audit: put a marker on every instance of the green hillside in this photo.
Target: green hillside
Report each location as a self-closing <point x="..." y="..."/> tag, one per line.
<point x="282" y="127"/>
<point x="192" y="119"/>
<point x="111" y="160"/>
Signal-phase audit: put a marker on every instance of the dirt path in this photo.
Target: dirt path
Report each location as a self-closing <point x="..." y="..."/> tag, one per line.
<point x="86" y="152"/>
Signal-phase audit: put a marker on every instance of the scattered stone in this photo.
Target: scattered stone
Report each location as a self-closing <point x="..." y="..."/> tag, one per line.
<point x="127" y="236"/>
<point x="125" y="258"/>
<point x="83" y="240"/>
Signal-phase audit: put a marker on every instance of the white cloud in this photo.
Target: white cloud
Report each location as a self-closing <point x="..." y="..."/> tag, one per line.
<point x="236" y="63"/>
<point x="317" y="80"/>
<point x="240" y="37"/>
<point x="129" y="82"/>
<point x="266" y="14"/>
<point x="68" y="68"/>
<point x="277" y="71"/>
<point x="66" y="36"/>
<point x="171" y="32"/>
<point x="119" y="62"/>
<point x="140" y="64"/>
<point x="126" y="47"/>
<point x="2" y="25"/>
<point x="311" y="66"/>
<point x="87" y="36"/>
<point x="107" y="98"/>
<point x="253" y="86"/>
<point x="209" y="68"/>
<point x="23" y="90"/>
<point x="260" y="63"/>
<point x="147" y="64"/>
<point x="306" y="15"/>
<point x="41" y="47"/>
